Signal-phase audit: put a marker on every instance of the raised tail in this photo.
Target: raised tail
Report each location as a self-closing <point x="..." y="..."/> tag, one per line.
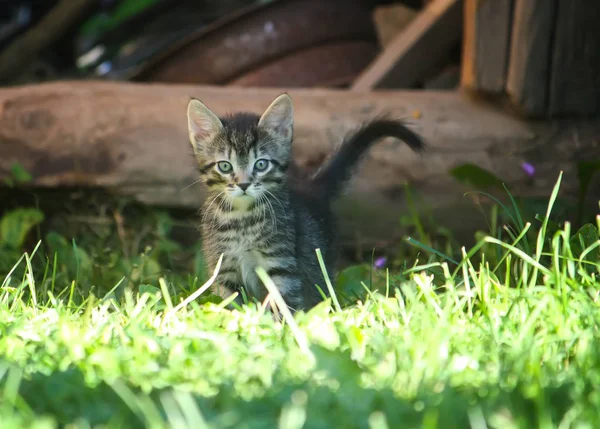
<point x="333" y="176"/>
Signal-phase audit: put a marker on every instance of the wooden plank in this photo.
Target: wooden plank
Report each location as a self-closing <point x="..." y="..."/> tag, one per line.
<point x="415" y="50"/>
<point x="131" y="139"/>
<point x="528" y="77"/>
<point x="390" y="20"/>
<point x="486" y="43"/>
<point x="575" y="82"/>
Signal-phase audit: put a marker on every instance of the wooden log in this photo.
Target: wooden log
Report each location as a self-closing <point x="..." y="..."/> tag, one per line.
<point x="575" y="81"/>
<point x="486" y="42"/>
<point x="530" y="55"/>
<point x="415" y="50"/>
<point x="132" y="139"/>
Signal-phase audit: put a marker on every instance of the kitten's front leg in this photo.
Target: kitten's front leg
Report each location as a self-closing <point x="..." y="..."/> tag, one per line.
<point x="290" y="288"/>
<point x="227" y="282"/>
<point x="223" y="288"/>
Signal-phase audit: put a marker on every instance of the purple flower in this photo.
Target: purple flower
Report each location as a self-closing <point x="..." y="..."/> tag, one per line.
<point x="380" y="262"/>
<point x="528" y="168"/>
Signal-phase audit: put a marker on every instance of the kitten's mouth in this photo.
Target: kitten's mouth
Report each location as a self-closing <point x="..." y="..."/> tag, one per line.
<point x="242" y="202"/>
<point x="242" y="197"/>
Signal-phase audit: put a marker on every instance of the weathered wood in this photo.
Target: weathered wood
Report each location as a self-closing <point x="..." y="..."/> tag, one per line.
<point x="575" y="81"/>
<point x="131" y="139"/>
<point x="391" y="19"/>
<point x="486" y="41"/>
<point x="416" y="49"/>
<point x="51" y="28"/>
<point x="530" y="55"/>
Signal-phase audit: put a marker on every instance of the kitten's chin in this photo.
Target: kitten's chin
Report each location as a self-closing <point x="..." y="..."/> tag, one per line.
<point x="242" y="202"/>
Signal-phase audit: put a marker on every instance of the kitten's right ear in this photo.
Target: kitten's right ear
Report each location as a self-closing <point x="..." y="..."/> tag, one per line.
<point x="202" y="122"/>
<point x="279" y="117"/>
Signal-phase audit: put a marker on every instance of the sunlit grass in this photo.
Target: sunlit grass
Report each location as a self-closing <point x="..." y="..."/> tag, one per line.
<point x="506" y="338"/>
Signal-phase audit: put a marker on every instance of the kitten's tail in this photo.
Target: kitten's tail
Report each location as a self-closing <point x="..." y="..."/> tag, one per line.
<point x="332" y="177"/>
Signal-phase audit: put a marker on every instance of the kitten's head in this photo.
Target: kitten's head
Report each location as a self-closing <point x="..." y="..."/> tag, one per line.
<point x="244" y="156"/>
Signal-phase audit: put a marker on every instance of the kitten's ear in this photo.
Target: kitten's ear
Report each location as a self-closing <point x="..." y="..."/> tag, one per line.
<point x="202" y="123"/>
<point x="279" y="117"/>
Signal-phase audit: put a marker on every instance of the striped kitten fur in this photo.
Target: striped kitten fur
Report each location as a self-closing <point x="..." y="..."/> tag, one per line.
<point x="257" y="214"/>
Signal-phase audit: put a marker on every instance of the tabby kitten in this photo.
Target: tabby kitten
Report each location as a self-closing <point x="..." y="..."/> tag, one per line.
<point x="257" y="214"/>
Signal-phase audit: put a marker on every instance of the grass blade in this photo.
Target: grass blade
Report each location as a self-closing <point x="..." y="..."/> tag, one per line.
<point x="336" y="303"/>
<point x="285" y="311"/>
<point x="201" y="289"/>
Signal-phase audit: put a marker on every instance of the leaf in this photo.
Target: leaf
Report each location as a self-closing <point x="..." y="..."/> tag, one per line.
<point x="144" y="268"/>
<point x="74" y="260"/>
<point x="348" y="286"/>
<point x="19" y="173"/>
<point x="212" y="298"/>
<point x="166" y="247"/>
<point x="338" y="365"/>
<point x="16" y="225"/>
<point x="164" y="224"/>
<point x="553" y="227"/>
<point x="584" y="238"/>
<point x="152" y="290"/>
<point x="473" y="175"/>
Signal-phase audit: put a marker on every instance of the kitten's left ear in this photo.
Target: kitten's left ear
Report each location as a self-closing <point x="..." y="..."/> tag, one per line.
<point x="279" y="117"/>
<point x="202" y="123"/>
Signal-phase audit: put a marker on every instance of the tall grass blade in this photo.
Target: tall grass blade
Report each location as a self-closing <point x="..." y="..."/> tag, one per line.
<point x="430" y="250"/>
<point x="285" y="311"/>
<point x="542" y="233"/>
<point x="201" y="289"/>
<point x="336" y="303"/>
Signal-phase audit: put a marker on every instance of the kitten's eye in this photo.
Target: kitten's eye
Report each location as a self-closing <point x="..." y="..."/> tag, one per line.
<point x="224" y="167"/>
<point x="261" y="165"/>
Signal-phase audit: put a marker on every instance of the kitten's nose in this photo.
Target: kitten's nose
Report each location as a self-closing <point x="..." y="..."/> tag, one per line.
<point x="243" y="186"/>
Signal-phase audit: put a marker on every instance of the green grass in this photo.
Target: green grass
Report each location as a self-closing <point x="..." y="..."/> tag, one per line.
<point x="506" y="338"/>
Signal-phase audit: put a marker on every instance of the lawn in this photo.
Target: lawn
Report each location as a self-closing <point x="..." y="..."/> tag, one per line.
<point x="503" y="336"/>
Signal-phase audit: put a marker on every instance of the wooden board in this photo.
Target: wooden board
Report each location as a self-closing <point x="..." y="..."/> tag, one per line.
<point x="486" y="43"/>
<point x="390" y="20"/>
<point x="575" y="81"/>
<point x="528" y="77"/>
<point x="418" y="48"/>
<point x="131" y="139"/>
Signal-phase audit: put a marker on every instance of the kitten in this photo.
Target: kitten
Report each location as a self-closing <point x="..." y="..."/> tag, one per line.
<point x="256" y="214"/>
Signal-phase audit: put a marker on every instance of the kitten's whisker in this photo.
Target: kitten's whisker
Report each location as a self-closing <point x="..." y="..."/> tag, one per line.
<point x="274" y="216"/>
<point x="279" y="202"/>
<point x="263" y="211"/>
<point x="215" y="219"/>
<point x="273" y="209"/>
<point x="264" y="208"/>
<point x="208" y="208"/>
<point x="189" y="186"/>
